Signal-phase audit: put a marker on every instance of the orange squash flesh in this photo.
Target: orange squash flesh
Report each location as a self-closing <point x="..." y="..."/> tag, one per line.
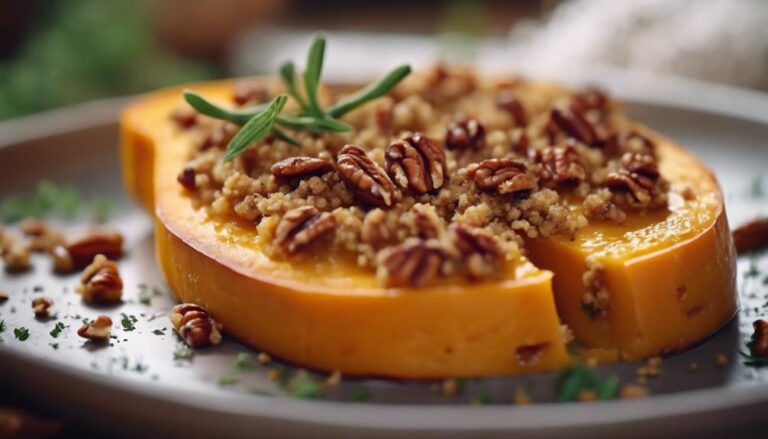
<point x="330" y="315"/>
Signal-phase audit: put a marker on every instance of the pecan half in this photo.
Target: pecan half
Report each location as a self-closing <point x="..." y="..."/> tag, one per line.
<point x="302" y="226"/>
<point x="508" y="102"/>
<point x="589" y="100"/>
<point x="300" y="167"/>
<point x="465" y="133"/>
<point x="573" y="124"/>
<point x="16" y="258"/>
<point x="638" y="176"/>
<point x="62" y="260"/>
<point x="195" y="326"/>
<point x="559" y="164"/>
<point x="506" y="176"/>
<point x="85" y="248"/>
<point x="97" y="330"/>
<point x="365" y="178"/>
<point x="101" y="282"/>
<point x="482" y="252"/>
<point x="416" y="163"/>
<point x="758" y="346"/>
<point x="427" y="224"/>
<point x="751" y="236"/>
<point x="630" y="141"/>
<point x="41" y="306"/>
<point x="249" y="92"/>
<point x="413" y="263"/>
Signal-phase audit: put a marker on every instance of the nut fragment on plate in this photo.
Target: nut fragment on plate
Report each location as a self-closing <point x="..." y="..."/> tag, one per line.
<point x="481" y="251"/>
<point x="42" y="236"/>
<point x="300" y="167"/>
<point x="415" y="262"/>
<point x="195" y="326"/>
<point x="751" y="236"/>
<point x="559" y="164"/>
<point x="505" y="176"/>
<point x="62" y="260"/>
<point x="16" y="257"/>
<point x="465" y="133"/>
<point x="758" y="346"/>
<point x="302" y="226"/>
<point x="417" y="163"/>
<point x="365" y="178"/>
<point x="97" y="330"/>
<point x="3" y="296"/>
<point x="85" y="248"/>
<point x="101" y="282"/>
<point x="41" y="307"/>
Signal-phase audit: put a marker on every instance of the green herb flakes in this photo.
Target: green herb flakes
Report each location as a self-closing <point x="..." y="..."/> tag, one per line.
<point x="128" y="322"/>
<point x="360" y="394"/>
<point x="21" y="334"/>
<point x="303" y="386"/>
<point x="57" y="330"/>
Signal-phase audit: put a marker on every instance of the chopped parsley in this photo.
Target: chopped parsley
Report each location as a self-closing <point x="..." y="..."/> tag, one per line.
<point x="47" y="199"/>
<point x="183" y="353"/>
<point x="752" y="360"/>
<point x="146" y="293"/>
<point x="579" y="377"/>
<point x="360" y="394"/>
<point x="482" y="398"/>
<point x="227" y="380"/>
<point x="241" y="363"/>
<point x="303" y="386"/>
<point x="55" y="346"/>
<point x="21" y="334"/>
<point x="128" y="322"/>
<point x="158" y="332"/>
<point x="2" y="326"/>
<point x="57" y="330"/>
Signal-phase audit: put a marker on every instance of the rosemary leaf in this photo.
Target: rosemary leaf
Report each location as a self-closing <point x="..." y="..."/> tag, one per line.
<point x="312" y="74"/>
<point x="370" y="92"/>
<point x="208" y="108"/>
<point x="288" y="74"/>
<point x="285" y="137"/>
<point x="255" y="129"/>
<point x="313" y="124"/>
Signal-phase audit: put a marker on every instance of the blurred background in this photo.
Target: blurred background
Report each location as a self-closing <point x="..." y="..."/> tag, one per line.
<point x="60" y="52"/>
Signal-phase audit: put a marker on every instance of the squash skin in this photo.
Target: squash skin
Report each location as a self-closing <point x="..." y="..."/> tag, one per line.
<point x="330" y="317"/>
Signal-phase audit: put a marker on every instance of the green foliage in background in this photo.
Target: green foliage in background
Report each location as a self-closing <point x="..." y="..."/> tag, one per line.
<point x="87" y="49"/>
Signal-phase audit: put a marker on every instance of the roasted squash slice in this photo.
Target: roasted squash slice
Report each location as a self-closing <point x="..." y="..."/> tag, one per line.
<point x="670" y="277"/>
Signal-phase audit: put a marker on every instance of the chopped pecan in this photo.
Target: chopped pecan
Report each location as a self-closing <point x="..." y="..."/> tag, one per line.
<point x="426" y="222"/>
<point x="41" y="306"/>
<point x="638" y="176"/>
<point x="3" y="296"/>
<point x="559" y="164"/>
<point x="97" y="330"/>
<point x="296" y="167"/>
<point x="506" y="176"/>
<point x="184" y="116"/>
<point x="574" y="124"/>
<point x="751" y="236"/>
<point x="465" y="133"/>
<point x="16" y="258"/>
<point x="249" y="92"/>
<point x="589" y="100"/>
<point x="482" y="252"/>
<point x="758" y="346"/>
<point x="187" y="177"/>
<point x="413" y="263"/>
<point x="302" y="226"/>
<point x="508" y="102"/>
<point x="42" y="236"/>
<point x="630" y="141"/>
<point x="85" y="248"/>
<point x="195" y="326"/>
<point x="365" y="178"/>
<point x="101" y="282"/>
<point x="416" y="163"/>
<point x="62" y="260"/>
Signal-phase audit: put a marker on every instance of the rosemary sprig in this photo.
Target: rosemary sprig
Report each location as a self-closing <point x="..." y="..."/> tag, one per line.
<point x="255" y="129"/>
<point x="260" y="120"/>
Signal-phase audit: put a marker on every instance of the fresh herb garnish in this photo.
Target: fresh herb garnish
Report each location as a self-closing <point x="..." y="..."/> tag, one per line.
<point x="241" y="362"/>
<point x="260" y="120"/>
<point x="482" y="398"/>
<point x="49" y="199"/>
<point x="158" y="332"/>
<point x="753" y="361"/>
<point x="57" y="330"/>
<point x="128" y="322"/>
<point x="2" y="326"/>
<point x="183" y="353"/>
<point x="21" y="334"/>
<point x="55" y="346"/>
<point x="572" y="381"/>
<point x="303" y="386"/>
<point x="227" y="380"/>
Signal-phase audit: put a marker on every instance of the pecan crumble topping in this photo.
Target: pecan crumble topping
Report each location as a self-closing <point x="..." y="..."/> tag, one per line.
<point x="444" y="176"/>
